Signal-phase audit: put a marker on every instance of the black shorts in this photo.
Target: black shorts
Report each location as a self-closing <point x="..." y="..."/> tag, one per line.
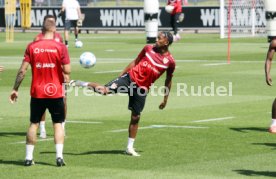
<point x="55" y="107"/>
<point x="70" y="23"/>
<point x="137" y="96"/>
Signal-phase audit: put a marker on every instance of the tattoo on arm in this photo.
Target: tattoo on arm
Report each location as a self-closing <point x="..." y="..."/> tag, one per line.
<point x="19" y="78"/>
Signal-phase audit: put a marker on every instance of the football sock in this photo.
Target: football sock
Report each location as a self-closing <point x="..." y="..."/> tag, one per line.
<point x="130" y="143"/>
<point x="63" y="125"/>
<point x="76" y="37"/>
<point x="42" y="125"/>
<point x="29" y="152"/>
<point x="273" y="122"/>
<point x="59" y="150"/>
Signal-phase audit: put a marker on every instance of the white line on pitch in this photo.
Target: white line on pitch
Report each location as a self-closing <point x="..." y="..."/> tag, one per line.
<point x="39" y="140"/>
<point x="112" y="71"/>
<point x="161" y="126"/>
<point x="215" y="64"/>
<point x="214" y="119"/>
<point x="83" y="122"/>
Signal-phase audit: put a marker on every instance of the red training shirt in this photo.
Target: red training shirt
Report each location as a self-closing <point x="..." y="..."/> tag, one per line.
<point x="46" y="58"/>
<point x="151" y="66"/>
<point x="177" y="6"/>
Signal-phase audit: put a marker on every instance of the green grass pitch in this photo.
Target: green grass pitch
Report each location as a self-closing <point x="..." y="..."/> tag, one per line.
<point x="195" y="136"/>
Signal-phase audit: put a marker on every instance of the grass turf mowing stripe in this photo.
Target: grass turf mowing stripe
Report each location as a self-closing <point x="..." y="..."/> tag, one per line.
<point x="214" y="119"/>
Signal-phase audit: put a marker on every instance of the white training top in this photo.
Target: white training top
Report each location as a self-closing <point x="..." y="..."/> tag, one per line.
<point x="71" y="7"/>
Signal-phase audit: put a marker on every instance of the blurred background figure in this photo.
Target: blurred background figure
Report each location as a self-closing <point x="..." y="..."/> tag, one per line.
<point x="72" y="15"/>
<point x="39" y="2"/>
<point x="174" y="7"/>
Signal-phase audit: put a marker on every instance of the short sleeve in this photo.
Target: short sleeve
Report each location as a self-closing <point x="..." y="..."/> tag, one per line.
<point x="27" y="55"/>
<point x="65" y="59"/>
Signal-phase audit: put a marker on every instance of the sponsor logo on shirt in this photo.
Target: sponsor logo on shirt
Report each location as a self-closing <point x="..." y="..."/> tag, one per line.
<point x="44" y="65"/>
<point x="42" y="50"/>
<point x="148" y="65"/>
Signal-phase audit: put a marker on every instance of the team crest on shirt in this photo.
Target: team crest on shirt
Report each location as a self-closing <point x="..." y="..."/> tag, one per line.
<point x="113" y="86"/>
<point x="165" y="60"/>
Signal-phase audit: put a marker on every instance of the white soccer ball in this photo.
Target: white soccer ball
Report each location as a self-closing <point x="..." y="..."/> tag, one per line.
<point x="169" y="9"/>
<point x="87" y="60"/>
<point x="78" y="44"/>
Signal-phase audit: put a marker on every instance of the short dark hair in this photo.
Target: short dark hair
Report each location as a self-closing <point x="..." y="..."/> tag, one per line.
<point x="169" y="36"/>
<point x="44" y="20"/>
<point x="49" y="16"/>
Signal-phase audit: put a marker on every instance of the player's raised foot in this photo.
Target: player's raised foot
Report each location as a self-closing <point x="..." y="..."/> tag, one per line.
<point x="60" y="162"/>
<point x="28" y="163"/>
<point x="43" y="134"/>
<point x="132" y="152"/>
<point x="272" y="129"/>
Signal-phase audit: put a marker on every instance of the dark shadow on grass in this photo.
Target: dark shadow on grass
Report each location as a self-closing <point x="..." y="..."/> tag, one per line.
<point x="21" y="163"/>
<point x="256" y="173"/>
<point x="9" y="134"/>
<point x="246" y="129"/>
<point x="97" y="152"/>
<point x="266" y="144"/>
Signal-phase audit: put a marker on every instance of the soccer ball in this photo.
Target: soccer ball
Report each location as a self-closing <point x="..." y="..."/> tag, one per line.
<point x="169" y="9"/>
<point x="78" y="44"/>
<point x="87" y="60"/>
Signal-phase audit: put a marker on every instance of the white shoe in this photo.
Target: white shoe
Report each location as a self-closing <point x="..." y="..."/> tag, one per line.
<point x="176" y="37"/>
<point x="43" y="134"/>
<point x="131" y="151"/>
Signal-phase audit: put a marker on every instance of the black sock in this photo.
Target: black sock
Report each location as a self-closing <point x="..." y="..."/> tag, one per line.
<point x="66" y="42"/>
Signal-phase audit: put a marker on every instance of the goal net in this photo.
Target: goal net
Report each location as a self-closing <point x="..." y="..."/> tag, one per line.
<point x="242" y="18"/>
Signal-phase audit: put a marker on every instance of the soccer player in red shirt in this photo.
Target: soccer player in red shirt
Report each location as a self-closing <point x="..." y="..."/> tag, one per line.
<point x="175" y="16"/>
<point x="57" y="37"/>
<point x="137" y="78"/>
<point x="49" y="61"/>
<point x="268" y="63"/>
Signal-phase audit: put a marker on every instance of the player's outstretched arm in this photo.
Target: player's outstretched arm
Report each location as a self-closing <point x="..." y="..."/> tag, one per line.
<point x="19" y="78"/>
<point x="168" y="84"/>
<point x="268" y="62"/>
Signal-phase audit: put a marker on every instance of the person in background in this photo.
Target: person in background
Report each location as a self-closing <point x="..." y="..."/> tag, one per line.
<point x="72" y="15"/>
<point x="176" y="16"/>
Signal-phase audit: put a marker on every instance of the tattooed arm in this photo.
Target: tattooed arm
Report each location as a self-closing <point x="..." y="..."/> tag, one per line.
<point x="19" y="78"/>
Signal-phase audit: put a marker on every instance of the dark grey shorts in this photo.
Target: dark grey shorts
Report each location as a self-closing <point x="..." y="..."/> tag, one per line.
<point x="137" y="96"/>
<point x="70" y="23"/>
